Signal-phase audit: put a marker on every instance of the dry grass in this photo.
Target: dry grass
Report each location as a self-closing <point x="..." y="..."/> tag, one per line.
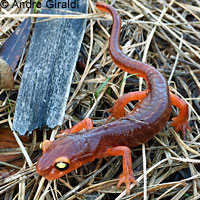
<point x="165" y="34"/>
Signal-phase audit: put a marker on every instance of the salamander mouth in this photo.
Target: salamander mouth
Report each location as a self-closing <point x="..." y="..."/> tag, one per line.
<point x="42" y="170"/>
<point x="48" y="170"/>
<point x="50" y="174"/>
<point x="52" y="177"/>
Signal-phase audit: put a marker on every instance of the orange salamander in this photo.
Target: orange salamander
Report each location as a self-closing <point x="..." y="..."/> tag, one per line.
<point x="83" y="143"/>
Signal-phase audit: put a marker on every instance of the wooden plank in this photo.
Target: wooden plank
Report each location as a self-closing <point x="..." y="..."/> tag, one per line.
<point x="48" y="71"/>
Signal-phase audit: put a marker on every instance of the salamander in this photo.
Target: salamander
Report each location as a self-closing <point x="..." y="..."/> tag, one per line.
<point x="83" y="143"/>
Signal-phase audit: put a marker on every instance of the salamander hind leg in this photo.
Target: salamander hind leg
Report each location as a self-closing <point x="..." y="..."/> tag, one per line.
<point x="117" y="111"/>
<point x="180" y="123"/>
<point x="127" y="176"/>
<point x="85" y="123"/>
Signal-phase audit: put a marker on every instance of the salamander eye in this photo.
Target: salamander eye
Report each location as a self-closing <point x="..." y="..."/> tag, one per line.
<point x="61" y="166"/>
<point x="45" y="145"/>
<point x="61" y="163"/>
<point x="41" y="145"/>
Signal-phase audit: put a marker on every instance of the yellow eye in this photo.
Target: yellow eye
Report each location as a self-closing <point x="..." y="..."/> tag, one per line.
<point x="61" y="166"/>
<point x="45" y="145"/>
<point x="41" y="145"/>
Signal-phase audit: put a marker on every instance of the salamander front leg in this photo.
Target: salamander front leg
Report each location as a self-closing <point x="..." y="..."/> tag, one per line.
<point x="127" y="176"/>
<point x="180" y="122"/>
<point x="85" y="123"/>
<point x="117" y="111"/>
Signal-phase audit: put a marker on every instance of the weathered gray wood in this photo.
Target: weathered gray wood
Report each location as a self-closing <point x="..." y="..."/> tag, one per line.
<point x="48" y="71"/>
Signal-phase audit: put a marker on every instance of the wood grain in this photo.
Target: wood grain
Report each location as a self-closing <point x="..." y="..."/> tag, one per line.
<point x="48" y="71"/>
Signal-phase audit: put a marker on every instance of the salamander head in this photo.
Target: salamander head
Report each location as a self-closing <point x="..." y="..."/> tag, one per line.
<point x="59" y="158"/>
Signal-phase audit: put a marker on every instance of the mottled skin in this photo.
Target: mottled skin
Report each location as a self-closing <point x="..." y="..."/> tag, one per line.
<point x="115" y="138"/>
